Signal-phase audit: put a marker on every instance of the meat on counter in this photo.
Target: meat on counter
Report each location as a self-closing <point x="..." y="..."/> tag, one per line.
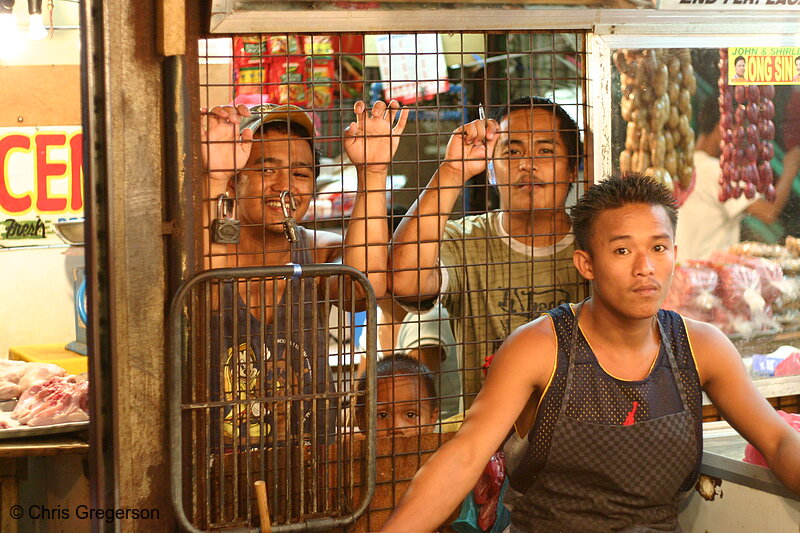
<point x="58" y="400"/>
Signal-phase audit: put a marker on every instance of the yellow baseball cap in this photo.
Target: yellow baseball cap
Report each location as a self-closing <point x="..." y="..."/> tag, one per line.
<point x="286" y="113"/>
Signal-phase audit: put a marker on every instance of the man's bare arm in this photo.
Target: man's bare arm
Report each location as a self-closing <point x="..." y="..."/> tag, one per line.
<point x="225" y="149"/>
<point x="441" y="484"/>
<point x="414" y="256"/>
<point x="371" y="142"/>
<point x="725" y="381"/>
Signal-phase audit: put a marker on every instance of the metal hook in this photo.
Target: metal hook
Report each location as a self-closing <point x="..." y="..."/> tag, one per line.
<point x="291" y="203"/>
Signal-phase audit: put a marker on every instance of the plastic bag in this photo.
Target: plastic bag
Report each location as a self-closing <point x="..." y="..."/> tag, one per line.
<point x="482" y="510"/>
<point x="692" y="292"/>
<point x="789" y="366"/>
<point x="769" y="272"/>
<point x="753" y="456"/>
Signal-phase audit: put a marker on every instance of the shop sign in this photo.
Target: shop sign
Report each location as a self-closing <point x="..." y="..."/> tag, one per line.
<point x="41" y="182"/>
<point x="731" y="5"/>
<point x="751" y="65"/>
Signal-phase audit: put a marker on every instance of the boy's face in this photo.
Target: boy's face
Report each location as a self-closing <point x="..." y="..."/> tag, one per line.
<point x="531" y="161"/>
<point x="631" y="258"/>
<point x="400" y="410"/>
<point x="278" y="162"/>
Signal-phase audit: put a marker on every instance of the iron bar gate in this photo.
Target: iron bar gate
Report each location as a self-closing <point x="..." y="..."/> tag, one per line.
<point x="250" y="383"/>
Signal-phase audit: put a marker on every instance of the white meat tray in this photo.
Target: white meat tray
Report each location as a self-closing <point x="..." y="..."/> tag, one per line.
<point x="16" y="430"/>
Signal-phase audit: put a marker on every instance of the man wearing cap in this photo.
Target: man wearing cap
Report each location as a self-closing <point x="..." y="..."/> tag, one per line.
<point x="264" y="158"/>
<point x="494" y="271"/>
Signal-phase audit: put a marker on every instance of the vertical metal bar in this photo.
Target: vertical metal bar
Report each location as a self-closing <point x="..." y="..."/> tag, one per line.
<point x="249" y="394"/>
<point x="301" y="390"/>
<point x="279" y="500"/>
<point x="263" y="389"/>
<point x="99" y="272"/>
<point x="203" y="469"/>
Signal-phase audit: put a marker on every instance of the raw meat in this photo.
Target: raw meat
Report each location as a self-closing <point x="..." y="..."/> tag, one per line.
<point x="56" y="401"/>
<point x="37" y="372"/>
<point x="17" y="376"/>
<point x="10" y="374"/>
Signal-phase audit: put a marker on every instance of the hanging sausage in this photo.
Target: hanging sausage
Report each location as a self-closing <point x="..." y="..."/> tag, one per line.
<point x="657" y="88"/>
<point x="747" y="131"/>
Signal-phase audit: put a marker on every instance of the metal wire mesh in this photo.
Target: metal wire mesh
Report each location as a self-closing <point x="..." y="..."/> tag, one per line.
<point x="259" y="397"/>
<point x="491" y="280"/>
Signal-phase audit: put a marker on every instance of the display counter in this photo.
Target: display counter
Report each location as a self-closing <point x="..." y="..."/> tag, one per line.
<point x="57" y="354"/>
<point x="48" y="472"/>
<point x="742" y="496"/>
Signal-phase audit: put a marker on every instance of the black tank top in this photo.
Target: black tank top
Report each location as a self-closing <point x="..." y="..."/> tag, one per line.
<point x="654" y="407"/>
<point x="291" y="360"/>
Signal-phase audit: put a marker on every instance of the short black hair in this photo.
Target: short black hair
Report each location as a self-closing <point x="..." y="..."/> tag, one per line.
<point x="708" y="116"/>
<point x="292" y="129"/>
<point x="615" y="192"/>
<point x="567" y="127"/>
<point x="400" y="366"/>
<point x="738" y="58"/>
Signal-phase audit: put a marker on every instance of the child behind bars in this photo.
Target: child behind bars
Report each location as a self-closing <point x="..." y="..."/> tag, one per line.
<point x="407" y="402"/>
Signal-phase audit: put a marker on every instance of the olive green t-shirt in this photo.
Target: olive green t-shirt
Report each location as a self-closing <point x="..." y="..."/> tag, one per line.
<point x="492" y="284"/>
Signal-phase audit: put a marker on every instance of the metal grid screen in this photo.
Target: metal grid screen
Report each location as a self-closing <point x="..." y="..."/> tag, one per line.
<point x="254" y="398"/>
<point x="493" y="252"/>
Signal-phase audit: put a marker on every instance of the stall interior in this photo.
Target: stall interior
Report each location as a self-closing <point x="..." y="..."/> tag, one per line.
<point x="729" y="148"/>
<point x="480" y="241"/>
<point x="505" y="254"/>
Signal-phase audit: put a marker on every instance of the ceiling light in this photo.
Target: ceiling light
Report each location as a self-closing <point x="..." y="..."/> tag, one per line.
<point x="9" y="36"/>
<point x="36" y="28"/>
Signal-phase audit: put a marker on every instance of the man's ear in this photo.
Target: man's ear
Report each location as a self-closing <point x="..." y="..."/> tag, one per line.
<point x="231" y="189"/>
<point x="583" y="263"/>
<point x="434" y="416"/>
<point x="573" y="173"/>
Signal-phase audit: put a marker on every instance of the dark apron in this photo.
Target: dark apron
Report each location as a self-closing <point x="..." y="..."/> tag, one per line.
<point x="600" y="478"/>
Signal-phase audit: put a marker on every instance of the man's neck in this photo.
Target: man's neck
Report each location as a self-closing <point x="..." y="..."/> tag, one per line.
<point x="259" y="247"/>
<point x="539" y="229"/>
<point x="708" y="144"/>
<point x="628" y="334"/>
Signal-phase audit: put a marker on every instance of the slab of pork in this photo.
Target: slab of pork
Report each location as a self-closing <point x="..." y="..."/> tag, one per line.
<point x="58" y="400"/>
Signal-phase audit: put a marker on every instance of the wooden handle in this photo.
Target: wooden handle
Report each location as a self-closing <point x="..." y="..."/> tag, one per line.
<point x="263" y="507"/>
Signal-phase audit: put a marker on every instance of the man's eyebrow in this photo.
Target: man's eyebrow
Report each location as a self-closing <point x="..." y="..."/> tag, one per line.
<point x="656" y="237"/>
<point x="506" y="141"/>
<point x="281" y="163"/>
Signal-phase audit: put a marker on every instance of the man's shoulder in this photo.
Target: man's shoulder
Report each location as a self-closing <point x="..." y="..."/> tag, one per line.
<point x="471" y="225"/>
<point x="326" y="245"/>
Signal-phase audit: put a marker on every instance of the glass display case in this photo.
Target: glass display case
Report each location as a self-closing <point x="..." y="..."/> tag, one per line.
<point x="729" y="150"/>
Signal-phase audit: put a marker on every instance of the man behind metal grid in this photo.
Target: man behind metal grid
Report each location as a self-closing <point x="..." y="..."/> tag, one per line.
<point x="260" y="156"/>
<point x="495" y="271"/>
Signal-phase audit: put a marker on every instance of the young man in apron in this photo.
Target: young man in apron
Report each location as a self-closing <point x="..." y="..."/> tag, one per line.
<point x="604" y="395"/>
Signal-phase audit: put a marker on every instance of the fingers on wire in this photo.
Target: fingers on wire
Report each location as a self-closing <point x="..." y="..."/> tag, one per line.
<point x="401" y="115"/>
<point x="379" y="109"/>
